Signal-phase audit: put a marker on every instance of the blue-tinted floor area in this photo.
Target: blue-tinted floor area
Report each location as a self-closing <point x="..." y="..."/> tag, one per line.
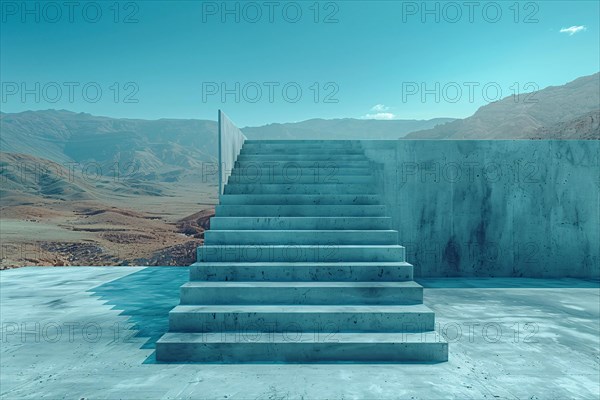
<point x="89" y="332"/>
<point x="157" y="292"/>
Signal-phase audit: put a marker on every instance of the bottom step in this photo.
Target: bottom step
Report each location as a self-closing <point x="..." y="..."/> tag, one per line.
<point x="258" y="347"/>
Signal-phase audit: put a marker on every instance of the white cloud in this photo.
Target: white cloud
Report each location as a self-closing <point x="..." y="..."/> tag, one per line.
<point x="379" y="111"/>
<point x="380" y="115"/>
<point x="379" y="108"/>
<point x="573" y="29"/>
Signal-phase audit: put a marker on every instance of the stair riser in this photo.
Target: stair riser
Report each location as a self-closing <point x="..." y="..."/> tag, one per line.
<point x="331" y="178"/>
<point x="301" y="211"/>
<point x="274" y="147"/>
<point x="301" y="274"/>
<point x="302" y="157"/>
<point x="286" y="142"/>
<point x="300" y="146"/>
<point x="293" y="167"/>
<point x="300" y="295"/>
<point x="293" y="144"/>
<point x="315" y="349"/>
<point x="261" y="199"/>
<point x="255" y="172"/>
<point x="320" y="188"/>
<point x="297" y="223"/>
<point x="292" y="253"/>
<point x="300" y="322"/>
<point x="301" y="151"/>
<point x="213" y="237"/>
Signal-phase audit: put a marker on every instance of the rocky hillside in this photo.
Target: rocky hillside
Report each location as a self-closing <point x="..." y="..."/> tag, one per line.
<point x="549" y="112"/>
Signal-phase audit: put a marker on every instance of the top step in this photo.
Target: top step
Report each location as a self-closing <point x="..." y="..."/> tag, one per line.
<point x="249" y="150"/>
<point x="303" y="142"/>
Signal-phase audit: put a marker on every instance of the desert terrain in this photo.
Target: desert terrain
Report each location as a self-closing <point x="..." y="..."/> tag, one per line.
<point x="61" y="233"/>
<point x="50" y="218"/>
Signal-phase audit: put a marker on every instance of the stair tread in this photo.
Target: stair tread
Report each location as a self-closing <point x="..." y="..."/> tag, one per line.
<point x="304" y="162"/>
<point x="325" y="337"/>
<point x="281" y="246"/>
<point x="316" y="284"/>
<point x="292" y="176"/>
<point x="373" y="264"/>
<point x="306" y="196"/>
<point x="297" y="183"/>
<point x="292" y="217"/>
<point x="315" y="309"/>
<point x="303" y="206"/>
<point x="302" y="231"/>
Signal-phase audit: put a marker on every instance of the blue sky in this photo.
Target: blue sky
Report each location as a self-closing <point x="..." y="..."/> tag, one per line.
<point x="355" y="59"/>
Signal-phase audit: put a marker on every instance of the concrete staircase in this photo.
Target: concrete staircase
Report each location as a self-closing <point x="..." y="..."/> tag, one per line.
<point x="300" y="265"/>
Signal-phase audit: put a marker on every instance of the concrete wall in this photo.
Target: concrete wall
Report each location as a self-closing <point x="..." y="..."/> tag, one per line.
<point x="494" y="208"/>
<point x="231" y="140"/>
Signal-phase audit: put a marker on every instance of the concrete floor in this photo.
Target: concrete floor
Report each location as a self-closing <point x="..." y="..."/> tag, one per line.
<point x="89" y="333"/>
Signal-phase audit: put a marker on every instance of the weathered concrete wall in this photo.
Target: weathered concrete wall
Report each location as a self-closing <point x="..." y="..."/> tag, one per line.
<point x="494" y="208"/>
<point x="231" y="140"/>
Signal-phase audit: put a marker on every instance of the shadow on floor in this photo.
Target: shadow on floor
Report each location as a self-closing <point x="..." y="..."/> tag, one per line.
<point x="146" y="297"/>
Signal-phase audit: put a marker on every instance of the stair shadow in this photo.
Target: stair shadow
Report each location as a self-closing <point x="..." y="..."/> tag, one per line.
<point x="146" y="297"/>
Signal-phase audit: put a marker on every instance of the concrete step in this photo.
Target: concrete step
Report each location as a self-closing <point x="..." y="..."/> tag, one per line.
<point x="302" y="318"/>
<point x="302" y="271"/>
<point x="340" y="199"/>
<point x="303" y="165"/>
<point x="307" y="142"/>
<point x="302" y="157"/>
<point x="310" y="347"/>
<point x="294" y="171"/>
<point x="301" y="237"/>
<point x="301" y="210"/>
<point x="278" y="148"/>
<point x="300" y="253"/>
<point x="297" y="188"/>
<point x="292" y="144"/>
<point x="341" y="150"/>
<point x="287" y="179"/>
<point x="301" y="293"/>
<point x="299" y="223"/>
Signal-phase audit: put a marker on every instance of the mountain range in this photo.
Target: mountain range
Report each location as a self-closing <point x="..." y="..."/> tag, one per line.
<point x="164" y="145"/>
<point x="148" y="148"/>
<point x="557" y="112"/>
<point x="344" y="128"/>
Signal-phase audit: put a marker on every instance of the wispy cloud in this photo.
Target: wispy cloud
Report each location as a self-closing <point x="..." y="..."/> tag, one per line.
<point x="381" y="115"/>
<point x="379" y="108"/>
<point x="573" y="29"/>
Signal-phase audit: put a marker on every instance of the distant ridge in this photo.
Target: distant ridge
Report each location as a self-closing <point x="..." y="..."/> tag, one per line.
<point x="346" y="128"/>
<point x="164" y="148"/>
<point x="155" y="147"/>
<point x="518" y="118"/>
